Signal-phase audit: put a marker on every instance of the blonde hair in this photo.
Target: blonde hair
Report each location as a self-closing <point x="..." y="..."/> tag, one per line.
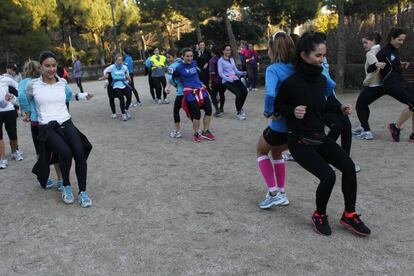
<point x="281" y="47"/>
<point x="31" y="69"/>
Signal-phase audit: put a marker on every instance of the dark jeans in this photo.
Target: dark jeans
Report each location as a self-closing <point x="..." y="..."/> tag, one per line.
<point x="252" y="75"/>
<point x="79" y="84"/>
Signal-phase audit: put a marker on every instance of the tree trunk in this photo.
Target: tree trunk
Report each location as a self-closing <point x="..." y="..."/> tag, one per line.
<point x="197" y="27"/>
<point x="232" y="38"/>
<point x="399" y="13"/>
<point x="341" y="53"/>
<point x="101" y="58"/>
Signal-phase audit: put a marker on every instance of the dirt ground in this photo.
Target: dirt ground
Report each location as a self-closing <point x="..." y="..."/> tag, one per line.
<point x="171" y="207"/>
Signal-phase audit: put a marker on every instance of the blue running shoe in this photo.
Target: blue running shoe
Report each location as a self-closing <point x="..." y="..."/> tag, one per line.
<point x="49" y="184"/>
<point x="67" y="194"/>
<point x="59" y="185"/>
<point x="84" y="200"/>
<point x="269" y="201"/>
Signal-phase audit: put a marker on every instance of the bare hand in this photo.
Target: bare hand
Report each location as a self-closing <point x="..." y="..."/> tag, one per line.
<point x="205" y="66"/>
<point x="300" y="111"/>
<point x="26" y="117"/>
<point x="346" y="109"/>
<point x="380" y="65"/>
<point x="9" y="97"/>
<point x="405" y="64"/>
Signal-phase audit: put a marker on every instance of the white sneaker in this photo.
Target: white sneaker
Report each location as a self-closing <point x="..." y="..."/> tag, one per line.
<point x="357" y="168"/>
<point x="365" y="135"/>
<point x="128" y="115"/>
<point x="165" y="101"/>
<point x="159" y="101"/>
<point x="242" y="112"/>
<point x="124" y="117"/>
<point x="240" y="117"/>
<point x="113" y="116"/>
<point x="3" y="163"/>
<point x="255" y="89"/>
<point x="134" y="104"/>
<point x="175" y="134"/>
<point x="17" y="155"/>
<point x="357" y="131"/>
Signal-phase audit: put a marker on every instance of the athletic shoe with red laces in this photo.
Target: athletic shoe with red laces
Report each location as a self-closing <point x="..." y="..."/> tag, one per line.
<point x="206" y="134"/>
<point x="321" y="224"/>
<point x="355" y="224"/>
<point x="196" y="138"/>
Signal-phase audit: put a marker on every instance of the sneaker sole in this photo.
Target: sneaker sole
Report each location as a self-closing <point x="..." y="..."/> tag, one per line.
<point x="316" y="230"/>
<point x="346" y="225"/>
<point x="68" y="202"/>
<point x="283" y="203"/>
<point x="390" y="131"/>
<point x="205" y="137"/>
<point x="85" y="205"/>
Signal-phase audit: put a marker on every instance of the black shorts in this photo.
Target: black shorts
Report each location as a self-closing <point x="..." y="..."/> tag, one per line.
<point x="274" y="138"/>
<point x="9" y="118"/>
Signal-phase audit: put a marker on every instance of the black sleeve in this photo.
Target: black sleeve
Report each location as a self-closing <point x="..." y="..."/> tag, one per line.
<point x="372" y="68"/>
<point x="332" y="105"/>
<point x="382" y="55"/>
<point x="13" y="91"/>
<point x="281" y="105"/>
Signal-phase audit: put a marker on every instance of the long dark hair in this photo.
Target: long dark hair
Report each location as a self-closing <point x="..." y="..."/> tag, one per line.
<point x="307" y="43"/>
<point x="373" y="36"/>
<point x="394" y="33"/>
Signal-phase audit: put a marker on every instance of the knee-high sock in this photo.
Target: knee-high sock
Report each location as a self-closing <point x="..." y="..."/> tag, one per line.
<point x="280" y="173"/>
<point x="266" y="168"/>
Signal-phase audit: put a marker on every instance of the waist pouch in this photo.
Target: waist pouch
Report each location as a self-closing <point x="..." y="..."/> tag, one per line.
<point x="312" y="139"/>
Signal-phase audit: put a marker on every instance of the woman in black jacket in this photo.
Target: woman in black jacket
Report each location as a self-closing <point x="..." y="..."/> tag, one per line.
<point x="301" y="100"/>
<point x="393" y="80"/>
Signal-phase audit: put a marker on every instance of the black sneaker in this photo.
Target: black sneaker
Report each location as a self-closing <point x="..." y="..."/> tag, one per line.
<point x="411" y="139"/>
<point x="355" y="224"/>
<point x="394" y="131"/>
<point x="221" y="110"/>
<point x="321" y="224"/>
<point x="217" y="113"/>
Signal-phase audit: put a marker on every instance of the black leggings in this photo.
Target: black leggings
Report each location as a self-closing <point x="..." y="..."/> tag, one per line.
<point x="151" y="86"/>
<point x="217" y="89"/>
<point x="177" y="107"/>
<point x="369" y="95"/>
<point x="339" y="125"/>
<point x="9" y="118"/>
<point x="79" y="84"/>
<point x="239" y="90"/>
<point x="67" y="146"/>
<point x="34" y="129"/>
<point x="120" y="94"/>
<point x="131" y="75"/>
<point x="252" y="75"/>
<point x="195" y="110"/>
<point x="316" y="160"/>
<point x="159" y="85"/>
<point x="111" y="98"/>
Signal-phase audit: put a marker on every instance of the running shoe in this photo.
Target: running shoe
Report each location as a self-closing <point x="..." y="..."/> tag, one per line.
<point x="288" y="157"/>
<point x="128" y="115"/>
<point x="124" y="117"/>
<point x="49" y="184"/>
<point x="278" y="199"/>
<point x="165" y="101"/>
<point x="113" y="116"/>
<point x="240" y="116"/>
<point x="175" y="134"/>
<point x="355" y="224"/>
<point x="208" y="135"/>
<point x="135" y="104"/>
<point x="411" y="139"/>
<point x="84" y="200"/>
<point x="357" y="130"/>
<point x="59" y="185"/>
<point x="217" y="113"/>
<point x="365" y="135"/>
<point x="159" y="101"/>
<point x="242" y="112"/>
<point x="196" y="138"/>
<point x="321" y="224"/>
<point x="394" y="131"/>
<point x="67" y="194"/>
<point x="155" y="101"/>
<point x="357" y="168"/>
<point x="221" y="110"/>
<point x="3" y="163"/>
<point x="255" y="89"/>
<point x="17" y="155"/>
